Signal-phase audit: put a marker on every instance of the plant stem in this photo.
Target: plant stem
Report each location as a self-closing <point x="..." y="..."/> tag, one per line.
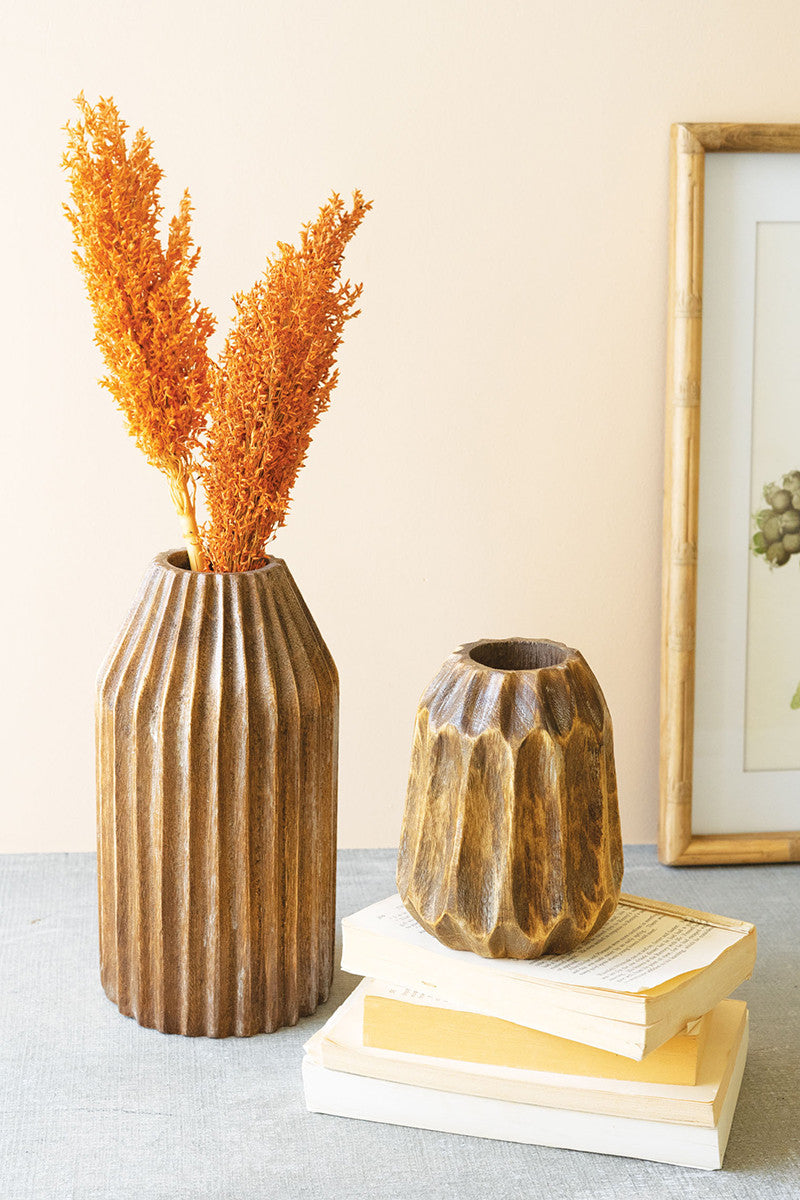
<point x="181" y="490"/>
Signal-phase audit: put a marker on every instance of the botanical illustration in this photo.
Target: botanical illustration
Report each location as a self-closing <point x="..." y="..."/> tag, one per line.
<point x="239" y="426"/>
<point x="768" y="436"/>
<point x="777" y="538"/>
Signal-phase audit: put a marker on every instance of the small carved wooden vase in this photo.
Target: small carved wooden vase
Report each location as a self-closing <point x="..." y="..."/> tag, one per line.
<point x="217" y="729"/>
<point x="511" y="840"/>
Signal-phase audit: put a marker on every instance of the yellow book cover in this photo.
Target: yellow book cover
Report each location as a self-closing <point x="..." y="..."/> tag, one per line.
<point x="398" y="1018"/>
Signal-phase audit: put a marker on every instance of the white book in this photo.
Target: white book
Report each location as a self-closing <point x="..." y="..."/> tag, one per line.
<point x="638" y="981"/>
<point x="347" y="1095"/>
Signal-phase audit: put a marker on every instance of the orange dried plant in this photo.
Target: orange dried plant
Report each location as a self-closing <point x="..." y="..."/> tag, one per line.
<point x="243" y="425"/>
<point x="272" y="384"/>
<point x="151" y="334"/>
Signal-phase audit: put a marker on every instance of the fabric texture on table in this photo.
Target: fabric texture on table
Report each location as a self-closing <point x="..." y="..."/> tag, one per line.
<point x="92" y="1106"/>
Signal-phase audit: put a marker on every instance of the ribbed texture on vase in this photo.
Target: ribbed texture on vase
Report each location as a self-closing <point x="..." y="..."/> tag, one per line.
<point x="217" y="733"/>
<point x="511" y="842"/>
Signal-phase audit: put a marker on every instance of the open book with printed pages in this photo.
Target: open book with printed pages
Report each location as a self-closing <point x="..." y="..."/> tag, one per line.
<point x="686" y="1124"/>
<point x="652" y="969"/>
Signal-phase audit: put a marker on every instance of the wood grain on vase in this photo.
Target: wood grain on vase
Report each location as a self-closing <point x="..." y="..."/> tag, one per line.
<point x="511" y="840"/>
<point x="217" y="732"/>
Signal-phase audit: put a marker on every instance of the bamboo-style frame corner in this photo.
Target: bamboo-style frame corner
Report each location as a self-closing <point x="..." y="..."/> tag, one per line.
<point x="677" y="845"/>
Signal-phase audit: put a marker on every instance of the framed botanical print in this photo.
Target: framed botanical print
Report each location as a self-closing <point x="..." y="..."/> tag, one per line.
<point x="730" y="667"/>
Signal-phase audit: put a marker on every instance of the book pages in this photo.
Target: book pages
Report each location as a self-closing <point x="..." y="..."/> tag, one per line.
<point x="639" y="948"/>
<point x="378" y="1099"/>
<point x="339" y="1046"/>
<point x="409" y="995"/>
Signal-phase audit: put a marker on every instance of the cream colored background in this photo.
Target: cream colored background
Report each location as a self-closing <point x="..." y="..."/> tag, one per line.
<point x="492" y="461"/>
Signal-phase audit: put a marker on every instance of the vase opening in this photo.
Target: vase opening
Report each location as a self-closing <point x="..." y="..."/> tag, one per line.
<point x="179" y="559"/>
<point x="519" y="654"/>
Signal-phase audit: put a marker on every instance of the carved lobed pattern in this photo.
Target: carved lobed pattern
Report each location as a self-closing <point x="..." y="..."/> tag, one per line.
<point x="217" y="729"/>
<point x="511" y="841"/>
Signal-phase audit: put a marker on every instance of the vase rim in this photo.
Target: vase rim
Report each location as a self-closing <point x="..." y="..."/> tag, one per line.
<point x="165" y="560"/>
<point x="516" y="655"/>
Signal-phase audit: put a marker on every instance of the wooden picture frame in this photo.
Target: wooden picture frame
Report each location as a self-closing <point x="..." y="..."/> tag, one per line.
<point x="678" y="844"/>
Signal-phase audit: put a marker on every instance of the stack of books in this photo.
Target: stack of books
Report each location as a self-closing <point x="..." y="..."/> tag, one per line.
<point x="627" y="1045"/>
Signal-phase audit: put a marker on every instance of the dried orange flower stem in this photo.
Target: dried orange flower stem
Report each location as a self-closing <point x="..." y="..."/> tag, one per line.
<point x="273" y="383"/>
<point x="151" y="334"/>
<point x="182" y="491"/>
<point x="243" y="426"/>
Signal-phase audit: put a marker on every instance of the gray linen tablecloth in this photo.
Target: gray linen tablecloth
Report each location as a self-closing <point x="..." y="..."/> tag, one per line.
<point x="92" y="1106"/>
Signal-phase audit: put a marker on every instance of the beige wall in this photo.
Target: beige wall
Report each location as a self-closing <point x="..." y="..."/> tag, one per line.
<point x="492" y="461"/>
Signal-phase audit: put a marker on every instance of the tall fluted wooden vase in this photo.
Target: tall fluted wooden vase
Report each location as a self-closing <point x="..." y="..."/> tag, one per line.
<point x="217" y="732"/>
